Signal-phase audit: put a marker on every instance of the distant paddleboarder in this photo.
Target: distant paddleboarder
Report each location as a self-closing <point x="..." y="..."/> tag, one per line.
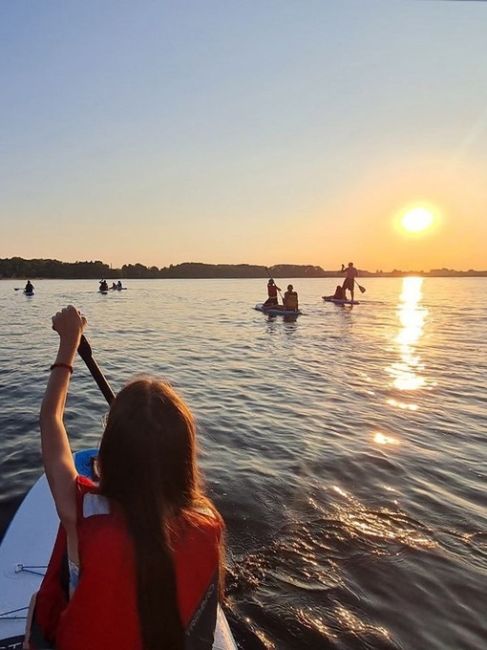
<point x="339" y="293"/>
<point x="272" y="290"/>
<point x="351" y="274"/>
<point x="29" y="287"/>
<point x="291" y="298"/>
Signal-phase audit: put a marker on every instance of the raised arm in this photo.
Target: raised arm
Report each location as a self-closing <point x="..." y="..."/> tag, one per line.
<point x="56" y="452"/>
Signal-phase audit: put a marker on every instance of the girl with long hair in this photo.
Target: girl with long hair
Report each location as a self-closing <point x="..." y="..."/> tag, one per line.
<point x="136" y="564"/>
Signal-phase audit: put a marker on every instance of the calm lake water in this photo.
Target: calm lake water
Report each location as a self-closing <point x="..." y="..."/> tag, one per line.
<point x="346" y="450"/>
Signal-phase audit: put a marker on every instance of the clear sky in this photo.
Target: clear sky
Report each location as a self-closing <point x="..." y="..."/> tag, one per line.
<point x="258" y="131"/>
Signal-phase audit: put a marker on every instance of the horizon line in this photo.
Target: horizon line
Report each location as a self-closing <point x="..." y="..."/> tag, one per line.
<point x="141" y="270"/>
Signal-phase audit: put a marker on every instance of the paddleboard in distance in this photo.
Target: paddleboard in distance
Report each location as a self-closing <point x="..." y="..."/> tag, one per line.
<point x="25" y="551"/>
<point x="338" y="301"/>
<point x="276" y="311"/>
<point x="28" y="293"/>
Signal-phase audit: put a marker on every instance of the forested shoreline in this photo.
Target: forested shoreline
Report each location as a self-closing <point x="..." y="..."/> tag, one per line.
<point x="20" y="268"/>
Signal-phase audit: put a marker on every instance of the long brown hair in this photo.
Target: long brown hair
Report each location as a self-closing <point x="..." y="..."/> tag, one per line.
<point x="148" y="465"/>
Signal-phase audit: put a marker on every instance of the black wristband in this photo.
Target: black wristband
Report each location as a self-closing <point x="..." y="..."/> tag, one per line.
<point x="62" y="365"/>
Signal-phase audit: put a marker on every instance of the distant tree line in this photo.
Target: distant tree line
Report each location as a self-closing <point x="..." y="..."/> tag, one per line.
<point x="17" y="267"/>
<point x="199" y="270"/>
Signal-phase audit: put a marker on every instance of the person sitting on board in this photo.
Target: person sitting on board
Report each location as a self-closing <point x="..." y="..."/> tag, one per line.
<point x="103" y="285"/>
<point x="144" y="546"/>
<point x="119" y="285"/>
<point x="339" y="293"/>
<point x="272" y="290"/>
<point x="114" y="285"/>
<point x="349" y="283"/>
<point x="29" y="287"/>
<point x="290" y="298"/>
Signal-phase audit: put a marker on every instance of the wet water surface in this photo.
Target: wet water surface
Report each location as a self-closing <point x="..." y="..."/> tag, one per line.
<point x="345" y="449"/>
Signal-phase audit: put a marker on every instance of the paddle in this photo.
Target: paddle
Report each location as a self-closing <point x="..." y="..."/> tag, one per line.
<point x="362" y="289"/>
<point x="86" y="353"/>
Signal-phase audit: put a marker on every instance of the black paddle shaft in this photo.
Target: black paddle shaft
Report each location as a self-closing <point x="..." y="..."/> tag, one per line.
<point x="85" y="352"/>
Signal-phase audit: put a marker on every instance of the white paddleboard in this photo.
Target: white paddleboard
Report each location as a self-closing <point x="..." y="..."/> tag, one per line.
<point x="339" y="301"/>
<point x="24" y="554"/>
<point x="277" y="311"/>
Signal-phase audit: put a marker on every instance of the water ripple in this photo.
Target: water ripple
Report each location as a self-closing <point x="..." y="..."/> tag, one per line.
<point x="345" y="449"/>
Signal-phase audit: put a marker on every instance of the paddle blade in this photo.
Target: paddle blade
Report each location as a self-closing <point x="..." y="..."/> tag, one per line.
<point x="362" y="289"/>
<point x="85" y="352"/>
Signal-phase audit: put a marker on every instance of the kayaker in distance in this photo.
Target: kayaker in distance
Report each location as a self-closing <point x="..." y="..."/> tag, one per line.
<point x="149" y="515"/>
<point x="29" y="287"/>
<point x="103" y="285"/>
<point x="291" y="298"/>
<point x="349" y="283"/>
<point x="119" y="285"/>
<point x="272" y="290"/>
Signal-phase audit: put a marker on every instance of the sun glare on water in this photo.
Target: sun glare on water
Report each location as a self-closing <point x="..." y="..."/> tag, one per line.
<point x="417" y="220"/>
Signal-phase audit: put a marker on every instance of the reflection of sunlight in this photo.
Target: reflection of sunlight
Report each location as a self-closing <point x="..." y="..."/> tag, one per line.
<point x="402" y="405"/>
<point x="411" y="316"/>
<point x="381" y="439"/>
<point x="352" y="624"/>
<point x="340" y="491"/>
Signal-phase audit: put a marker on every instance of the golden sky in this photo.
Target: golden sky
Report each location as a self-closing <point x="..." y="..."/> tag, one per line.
<point x="157" y="133"/>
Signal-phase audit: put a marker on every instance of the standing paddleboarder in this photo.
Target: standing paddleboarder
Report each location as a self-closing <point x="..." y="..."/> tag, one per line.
<point x="351" y="274"/>
<point x="272" y="290"/>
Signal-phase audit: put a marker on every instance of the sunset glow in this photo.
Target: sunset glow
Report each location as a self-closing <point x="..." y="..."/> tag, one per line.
<point x="417" y="220"/>
<point x="150" y="145"/>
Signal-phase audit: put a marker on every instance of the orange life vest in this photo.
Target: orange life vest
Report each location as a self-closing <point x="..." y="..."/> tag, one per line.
<point x="291" y="300"/>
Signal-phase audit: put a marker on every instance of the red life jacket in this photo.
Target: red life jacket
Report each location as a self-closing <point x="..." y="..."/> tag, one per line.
<point x="102" y="612"/>
<point x="272" y="291"/>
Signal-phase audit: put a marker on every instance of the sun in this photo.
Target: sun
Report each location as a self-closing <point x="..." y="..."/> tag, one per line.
<point x="417" y="220"/>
